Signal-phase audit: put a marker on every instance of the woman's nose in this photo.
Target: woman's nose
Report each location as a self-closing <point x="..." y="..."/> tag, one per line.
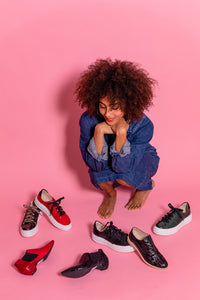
<point x="108" y="112"/>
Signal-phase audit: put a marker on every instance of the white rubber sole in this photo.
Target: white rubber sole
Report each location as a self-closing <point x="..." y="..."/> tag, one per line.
<point x="51" y="218"/>
<point x="32" y="232"/>
<point x="118" y="248"/>
<point x="161" y="231"/>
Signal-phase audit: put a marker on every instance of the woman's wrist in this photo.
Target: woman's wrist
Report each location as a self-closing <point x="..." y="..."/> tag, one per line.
<point x="120" y="140"/>
<point x="121" y="132"/>
<point x="99" y="130"/>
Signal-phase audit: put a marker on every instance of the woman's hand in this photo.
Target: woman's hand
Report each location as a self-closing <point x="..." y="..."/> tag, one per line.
<point x="121" y="127"/>
<point x="103" y="128"/>
<point x="100" y="130"/>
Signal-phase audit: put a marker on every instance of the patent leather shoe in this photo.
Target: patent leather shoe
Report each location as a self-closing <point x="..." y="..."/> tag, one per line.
<point x="144" y="245"/>
<point x="88" y="261"/>
<point x="27" y="265"/>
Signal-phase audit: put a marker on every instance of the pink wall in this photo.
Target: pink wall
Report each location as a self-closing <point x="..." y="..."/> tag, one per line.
<point x="44" y="47"/>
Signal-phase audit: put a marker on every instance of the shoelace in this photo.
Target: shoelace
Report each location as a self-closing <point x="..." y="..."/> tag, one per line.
<point x="30" y="215"/>
<point x="171" y="213"/>
<point x="56" y="204"/>
<point x="114" y="231"/>
<point x="152" y="250"/>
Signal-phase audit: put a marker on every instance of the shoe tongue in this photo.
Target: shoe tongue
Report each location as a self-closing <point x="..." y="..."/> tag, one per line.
<point x="107" y="225"/>
<point x="148" y="239"/>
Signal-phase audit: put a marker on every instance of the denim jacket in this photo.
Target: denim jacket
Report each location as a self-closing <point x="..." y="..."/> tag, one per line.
<point x="137" y="143"/>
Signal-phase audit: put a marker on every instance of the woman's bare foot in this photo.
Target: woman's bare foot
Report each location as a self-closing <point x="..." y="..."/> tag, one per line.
<point x="139" y="198"/>
<point x="107" y="207"/>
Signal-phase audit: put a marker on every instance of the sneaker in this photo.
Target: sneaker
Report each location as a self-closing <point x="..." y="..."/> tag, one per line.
<point x="111" y="236"/>
<point x="53" y="210"/>
<point x="29" y="226"/>
<point x="174" y="219"/>
<point x="146" y="248"/>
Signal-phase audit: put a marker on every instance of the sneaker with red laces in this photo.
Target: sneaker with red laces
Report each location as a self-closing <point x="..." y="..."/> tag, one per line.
<point x="29" y="226"/>
<point x="53" y="210"/>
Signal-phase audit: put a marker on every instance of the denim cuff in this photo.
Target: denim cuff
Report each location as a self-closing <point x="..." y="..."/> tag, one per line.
<point x="92" y="150"/>
<point x="126" y="149"/>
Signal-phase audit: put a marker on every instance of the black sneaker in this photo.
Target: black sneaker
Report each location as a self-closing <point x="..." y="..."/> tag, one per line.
<point x="111" y="236"/>
<point x="174" y="219"/>
<point x="29" y="226"/>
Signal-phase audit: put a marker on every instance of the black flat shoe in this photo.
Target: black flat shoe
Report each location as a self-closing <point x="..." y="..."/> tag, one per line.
<point x="88" y="261"/>
<point x="143" y="243"/>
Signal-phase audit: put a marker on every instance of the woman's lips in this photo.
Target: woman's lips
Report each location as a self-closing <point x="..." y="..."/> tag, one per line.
<point x="109" y="120"/>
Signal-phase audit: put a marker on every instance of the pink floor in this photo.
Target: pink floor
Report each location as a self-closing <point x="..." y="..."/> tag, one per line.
<point x="44" y="47"/>
<point x="127" y="276"/>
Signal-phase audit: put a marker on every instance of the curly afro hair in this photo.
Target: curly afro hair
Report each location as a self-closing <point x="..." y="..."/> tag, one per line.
<point x="123" y="82"/>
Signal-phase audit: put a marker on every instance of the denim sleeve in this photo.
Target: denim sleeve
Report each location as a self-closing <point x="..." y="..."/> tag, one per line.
<point x="93" y="160"/>
<point x="133" y="149"/>
<point x="126" y="149"/>
<point x="92" y="150"/>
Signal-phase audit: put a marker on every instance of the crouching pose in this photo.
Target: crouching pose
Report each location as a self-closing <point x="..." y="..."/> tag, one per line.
<point x="114" y="131"/>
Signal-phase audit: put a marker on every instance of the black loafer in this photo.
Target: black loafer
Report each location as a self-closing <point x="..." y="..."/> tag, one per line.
<point x="88" y="261"/>
<point x="143" y="243"/>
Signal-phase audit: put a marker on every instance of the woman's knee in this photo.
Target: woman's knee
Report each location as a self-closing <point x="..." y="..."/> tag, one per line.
<point x="123" y="182"/>
<point x="106" y="186"/>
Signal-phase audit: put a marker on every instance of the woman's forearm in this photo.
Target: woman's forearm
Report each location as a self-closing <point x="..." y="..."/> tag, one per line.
<point x="100" y="130"/>
<point x="120" y="140"/>
<point x="98" y="139"/>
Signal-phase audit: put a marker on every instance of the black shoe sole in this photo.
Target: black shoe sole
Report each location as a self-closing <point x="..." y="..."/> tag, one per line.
<point x="72" y="273"/>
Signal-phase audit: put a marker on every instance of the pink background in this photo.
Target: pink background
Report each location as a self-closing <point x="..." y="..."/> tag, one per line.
<point x="44" y="47"/>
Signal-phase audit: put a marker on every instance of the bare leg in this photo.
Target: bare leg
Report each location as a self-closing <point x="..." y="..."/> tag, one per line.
<point x="138" y="199"/>
<point x="107" y="207"/>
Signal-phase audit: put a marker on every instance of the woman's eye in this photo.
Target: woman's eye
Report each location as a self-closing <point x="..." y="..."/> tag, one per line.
<point x="101" y="106"/>
<point x="115" y="107"/>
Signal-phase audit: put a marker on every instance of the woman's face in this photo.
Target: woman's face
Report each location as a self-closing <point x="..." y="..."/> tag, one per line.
<point x="111" y="113"/>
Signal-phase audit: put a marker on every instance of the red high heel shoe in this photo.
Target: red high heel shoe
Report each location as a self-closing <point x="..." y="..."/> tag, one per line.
<point x="27" y="264"/>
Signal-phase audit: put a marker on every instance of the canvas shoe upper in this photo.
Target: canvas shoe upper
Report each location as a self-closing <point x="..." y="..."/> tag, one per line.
<point x="109" y="235"/>
<point x="174" y="219"/>
<point x="53" y="210"/>
<point x="29" y="226"/>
